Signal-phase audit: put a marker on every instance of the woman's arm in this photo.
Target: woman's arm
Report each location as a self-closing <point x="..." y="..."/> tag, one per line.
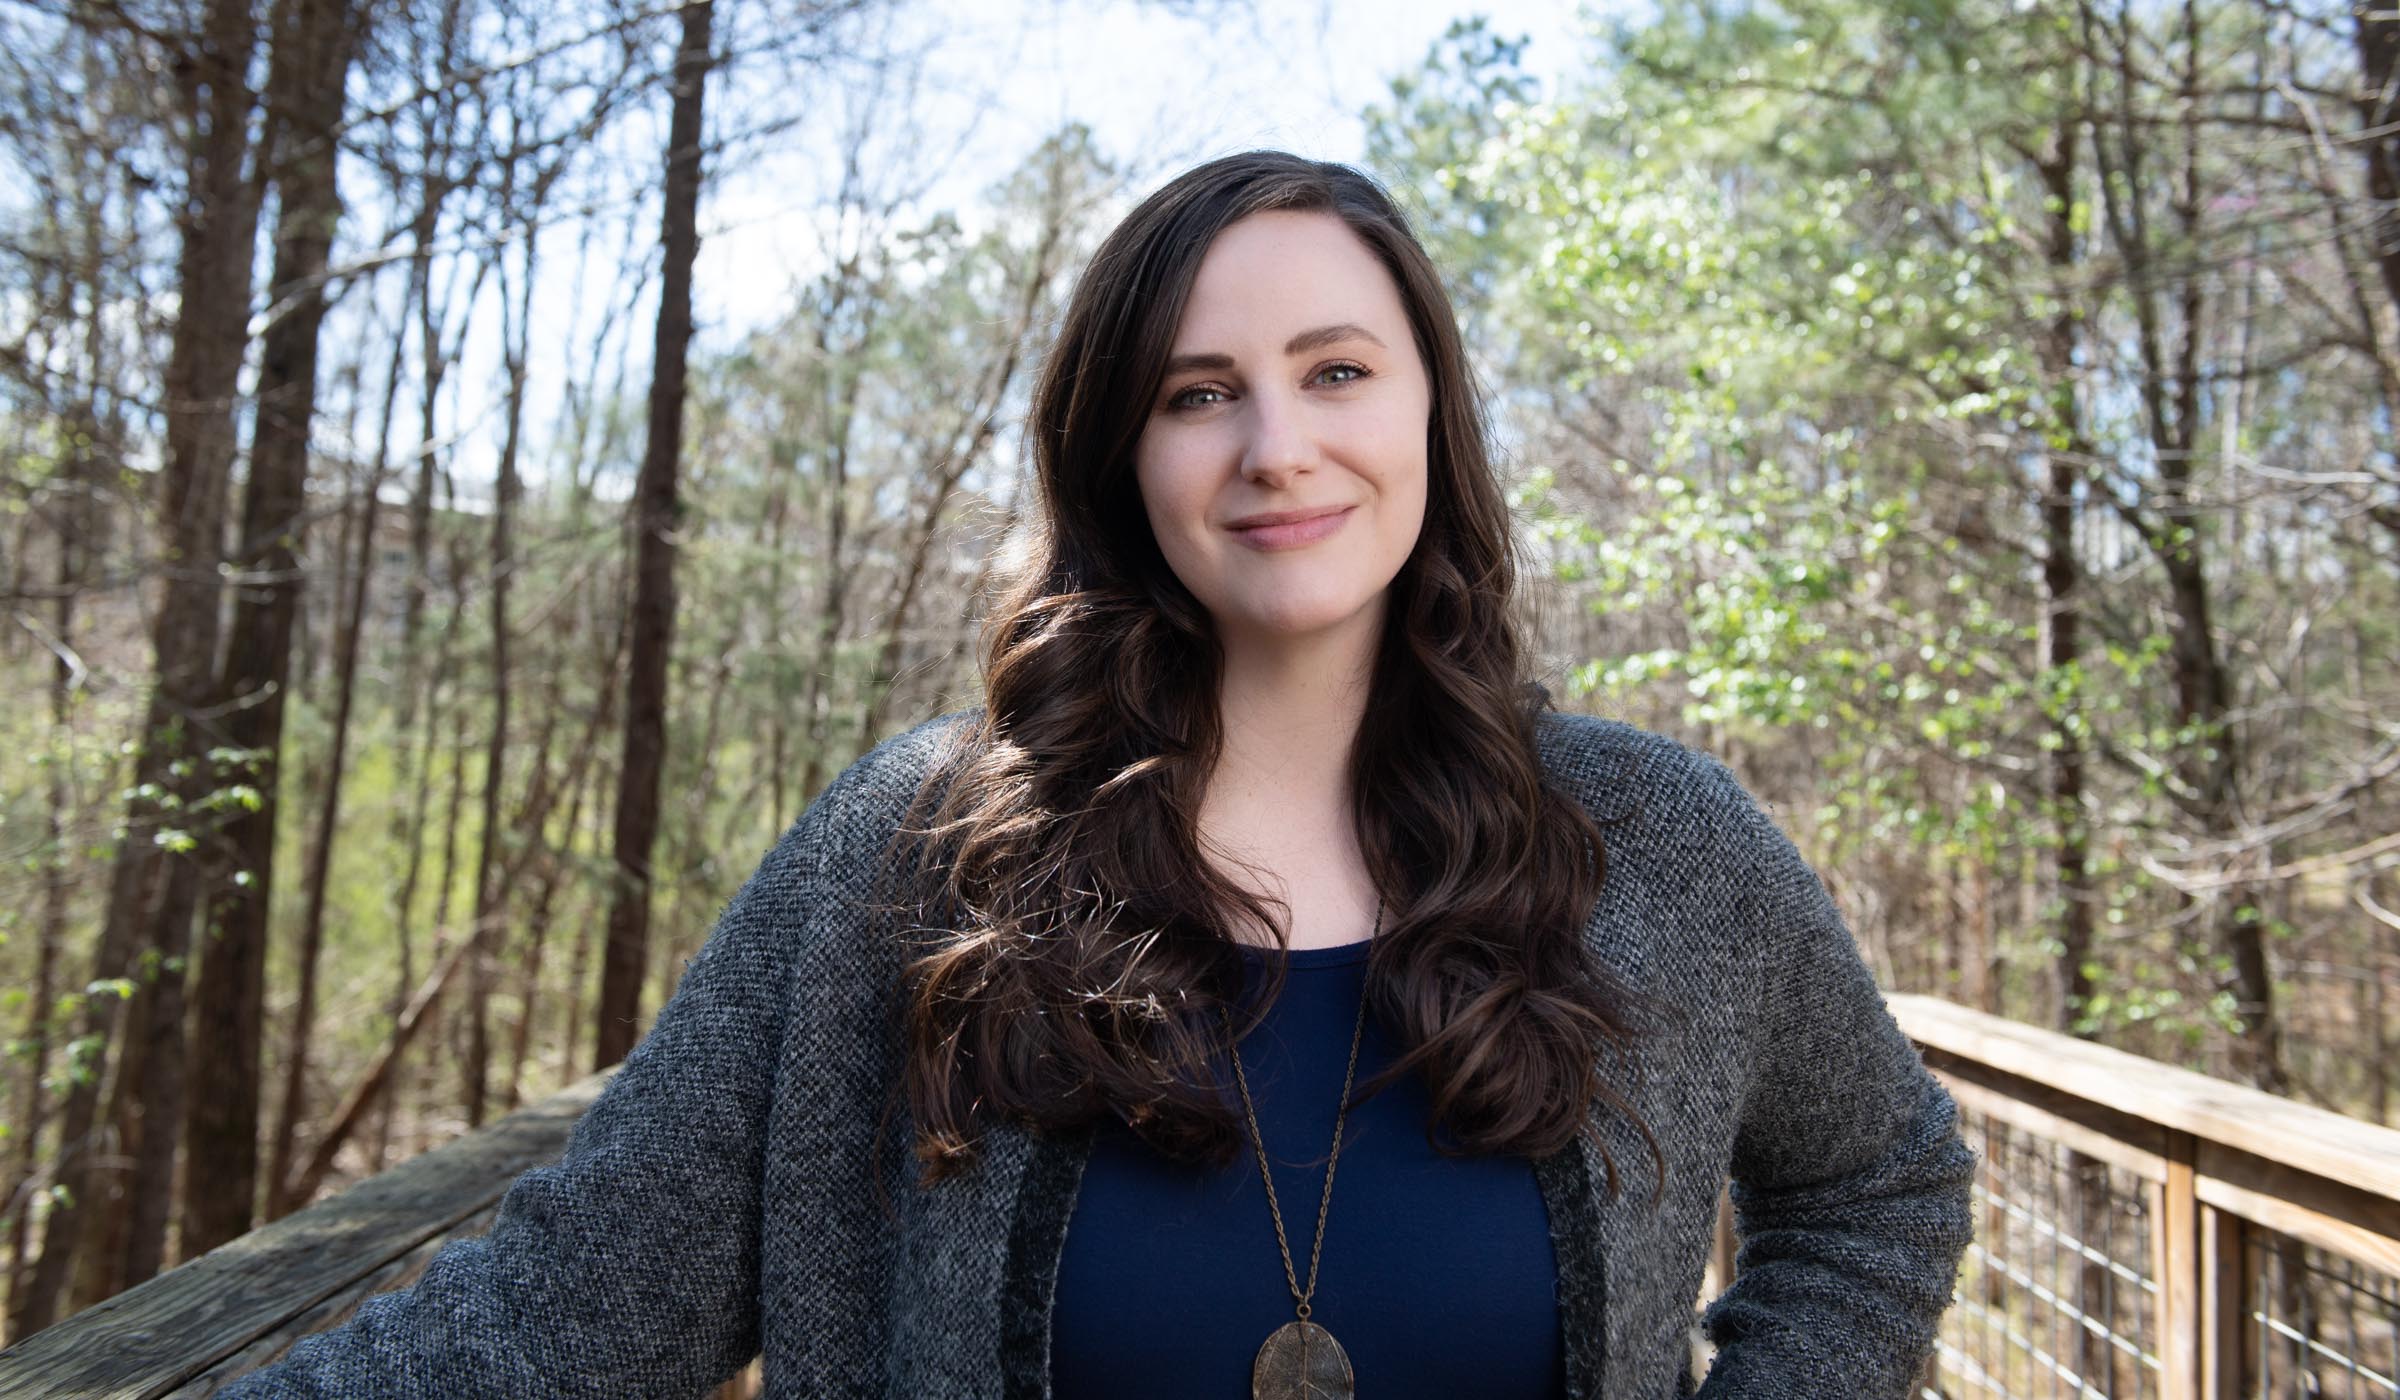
<point x="629" y="1267"/>
<point x="1850" y="1179"/>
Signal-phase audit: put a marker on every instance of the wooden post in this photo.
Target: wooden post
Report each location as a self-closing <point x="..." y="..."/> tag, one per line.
<point x="2228" y="1270"/>
<point x="2177" y="1263"/>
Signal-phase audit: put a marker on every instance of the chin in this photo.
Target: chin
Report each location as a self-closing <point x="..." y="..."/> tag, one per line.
<point x="1293" y="617"/>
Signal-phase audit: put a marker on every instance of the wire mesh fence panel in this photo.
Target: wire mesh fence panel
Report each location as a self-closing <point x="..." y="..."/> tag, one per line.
<point x="2055" y="1296"/>
<point x="2324" y="1325"/>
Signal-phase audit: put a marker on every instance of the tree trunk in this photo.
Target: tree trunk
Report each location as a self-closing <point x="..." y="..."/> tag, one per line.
<point x="437" y="132"/>
<point x="2173" y="526"/>
<point x="313" y="44"/>
<point x="2061" y="579"/>
<point x="219" y="221"/>
<point x="76" y="523"/>
<point x="354" y="609"/>
<point x="816" y="709"/>
<point x="491" y="894"/>
<point x="82" y="539"/>
<point x="655" y="513"/>
<point x="2379" y="121"/>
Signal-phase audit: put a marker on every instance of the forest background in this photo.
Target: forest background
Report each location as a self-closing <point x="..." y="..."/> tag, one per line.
<point x="1973" y="419"/>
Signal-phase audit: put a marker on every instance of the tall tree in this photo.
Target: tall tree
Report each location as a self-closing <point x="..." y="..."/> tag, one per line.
<point x="516" y="297"/>
<point x="653" y="517"/>
<point x="314" y="41"/>
<point x="152" y="881"/>
<point x="2168" y="300"/>
<point x="2069" y="448"/>
<point x="2378" y="139"/>
<point x="76" y="506"/>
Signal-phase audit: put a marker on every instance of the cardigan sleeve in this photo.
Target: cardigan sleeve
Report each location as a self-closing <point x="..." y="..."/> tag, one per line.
<point x="1850" y="1179"/>
<point x="631" y="1265"/>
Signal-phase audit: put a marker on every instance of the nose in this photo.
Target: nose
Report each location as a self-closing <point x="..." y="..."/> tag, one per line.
<point x="1282" y="443"/>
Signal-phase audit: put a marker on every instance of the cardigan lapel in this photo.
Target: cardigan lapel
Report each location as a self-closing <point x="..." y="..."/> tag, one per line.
<point x="1570" y="1180"/>
<point x="1037" y="1238"/>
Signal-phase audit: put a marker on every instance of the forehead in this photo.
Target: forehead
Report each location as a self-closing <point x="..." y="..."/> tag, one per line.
<point x="1271" y="273"/>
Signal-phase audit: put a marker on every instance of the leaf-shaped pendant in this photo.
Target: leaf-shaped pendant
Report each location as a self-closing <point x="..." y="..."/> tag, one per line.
<point x="1302" y="1361"/>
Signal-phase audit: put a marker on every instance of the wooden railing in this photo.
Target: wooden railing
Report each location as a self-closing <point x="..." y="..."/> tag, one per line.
<point x="2143" y="1231"/>
<point x="234" y="1309"/>
<point x="2146" y="1231"/>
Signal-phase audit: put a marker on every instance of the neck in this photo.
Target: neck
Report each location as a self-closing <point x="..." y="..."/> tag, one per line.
<point x="1290" y="709"/>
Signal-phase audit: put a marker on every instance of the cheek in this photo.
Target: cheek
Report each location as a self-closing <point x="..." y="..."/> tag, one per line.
<point x="1408" y="523"/>
<point x="1406" y="485"/>
<point x="1172" y="503"/>
<point x="1413" y="516"/>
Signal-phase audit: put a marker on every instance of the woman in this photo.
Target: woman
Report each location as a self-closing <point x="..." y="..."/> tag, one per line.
<point x="1260" y="871"/>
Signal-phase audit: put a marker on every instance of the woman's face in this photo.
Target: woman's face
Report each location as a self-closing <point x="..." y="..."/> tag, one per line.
<point x="1283" y="464"/>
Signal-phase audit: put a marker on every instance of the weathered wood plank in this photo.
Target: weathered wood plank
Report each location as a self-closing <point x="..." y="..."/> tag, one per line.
<point x="2176" y="1264"/>
<point x="151" y="1339"/>
<point x="2228" y="1369"/>
<point x="331" y="1313"/>
<point x="2347" y="1221"/>
<point x="2096" y="1130"/>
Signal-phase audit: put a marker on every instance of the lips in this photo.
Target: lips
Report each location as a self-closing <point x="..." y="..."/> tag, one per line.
<point x="1289" y="529"/>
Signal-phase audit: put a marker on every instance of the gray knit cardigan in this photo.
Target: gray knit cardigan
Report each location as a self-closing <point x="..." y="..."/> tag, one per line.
<point x="717" y="1198"/>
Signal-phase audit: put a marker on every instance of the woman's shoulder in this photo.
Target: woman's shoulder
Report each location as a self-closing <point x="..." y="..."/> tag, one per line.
<point x="1681" y="807"/>
<point x="1621" y="771"/>
<point x="847" y="827"/>
<point x="899" y="762"/>
<point x="1677" y="817"/>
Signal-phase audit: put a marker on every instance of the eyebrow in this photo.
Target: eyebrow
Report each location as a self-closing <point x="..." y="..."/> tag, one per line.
<point x="1315" y="339"/>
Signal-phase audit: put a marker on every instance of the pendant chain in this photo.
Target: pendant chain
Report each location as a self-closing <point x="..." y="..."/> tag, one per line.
<point x="1258" y="1140"/>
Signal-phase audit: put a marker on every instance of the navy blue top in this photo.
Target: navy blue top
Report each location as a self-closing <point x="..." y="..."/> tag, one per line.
<point x="1438" y="1277"/>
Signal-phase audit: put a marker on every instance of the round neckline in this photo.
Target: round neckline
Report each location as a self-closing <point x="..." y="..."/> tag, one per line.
<point x="1310" y="959"/>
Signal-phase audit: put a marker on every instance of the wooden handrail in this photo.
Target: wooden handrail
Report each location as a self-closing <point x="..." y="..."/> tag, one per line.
<point x="2298" y="1135"/>
<point x="2317" y="1175"/>
<point x="233" y="1309"/>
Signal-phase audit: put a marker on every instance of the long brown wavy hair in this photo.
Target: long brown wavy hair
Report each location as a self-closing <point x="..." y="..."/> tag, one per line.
<point x="1079" y="948"/>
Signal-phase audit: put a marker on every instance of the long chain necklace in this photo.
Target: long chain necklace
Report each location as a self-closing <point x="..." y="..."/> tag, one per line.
<point x="1300" y="1360"/>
